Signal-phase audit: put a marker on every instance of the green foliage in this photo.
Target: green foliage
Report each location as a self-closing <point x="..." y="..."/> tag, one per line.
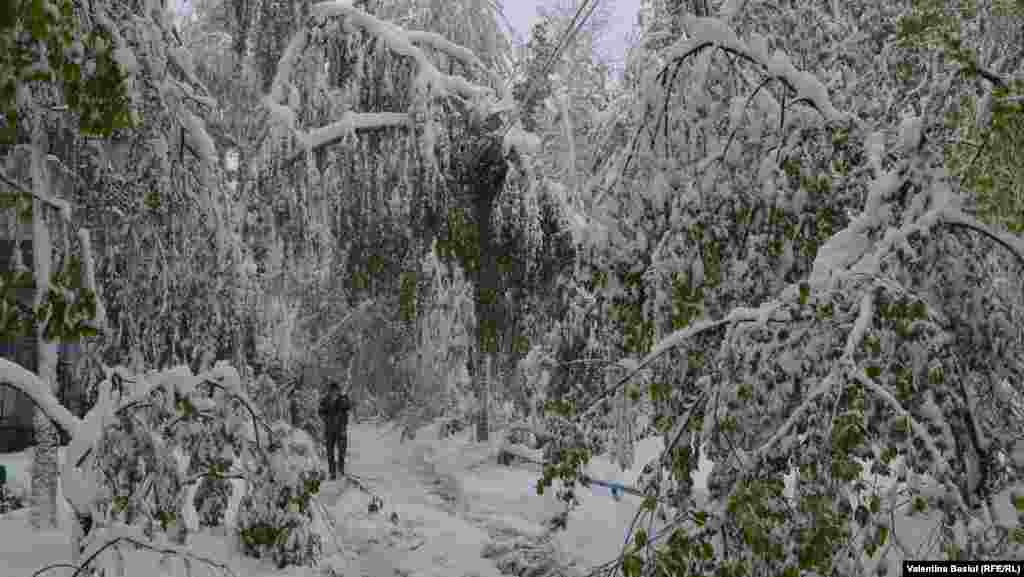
<point x="142" y="481"/>
<point x="631" y="565"/>
<point x="407" y="296"/>
<point x="987" y="157"/>
<point x="65" y="313"/>
<point x="15" y="319"/>
<point x="461" y="240"/>
<point x="274" y="521"/>
<point x="79" y="64"/>
<point x="988" y="152"/>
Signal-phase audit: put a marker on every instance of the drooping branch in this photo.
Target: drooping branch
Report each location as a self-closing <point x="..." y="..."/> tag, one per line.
<point x="428" y="78"/>
<point x="256" y="421"/>
<point x="140" y="544"/>
<point x="713" y="33"/>
<point x="15" y="376"/>
<point x="442" y="44"/>
<point x="349" y="123"/>
<point x="400" y="42"/>
<point x="941" y="464"/>
<point x="1013" y="244"/>
<point x="845" y="365"/>
<point x="674" y="340"/>
<point x="709" y="33"/>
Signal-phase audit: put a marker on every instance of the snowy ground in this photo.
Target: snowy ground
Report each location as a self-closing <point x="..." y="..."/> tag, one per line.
<point x="456" y="514"/>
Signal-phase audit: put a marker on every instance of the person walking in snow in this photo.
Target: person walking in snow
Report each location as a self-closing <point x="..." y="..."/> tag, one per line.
<point x="334" y="409"/>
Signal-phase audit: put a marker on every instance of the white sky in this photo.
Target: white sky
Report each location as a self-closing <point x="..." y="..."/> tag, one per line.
<point x="621" y="20"/>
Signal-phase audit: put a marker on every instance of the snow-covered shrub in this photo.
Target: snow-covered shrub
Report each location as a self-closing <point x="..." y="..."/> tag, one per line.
<point x="188" y="430"/>
<point x="275" y="519"/>
<point x="140" y="476"/>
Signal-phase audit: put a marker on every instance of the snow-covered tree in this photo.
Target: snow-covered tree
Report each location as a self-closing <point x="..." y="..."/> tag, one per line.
<point x="801" y="287"/>
<point x="428" y="149"/>
<point x="60" y="69"/>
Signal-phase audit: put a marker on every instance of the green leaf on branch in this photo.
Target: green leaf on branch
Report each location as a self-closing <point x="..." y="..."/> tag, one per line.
<point x="640" y="538"/>
<point x="631" y="565"/>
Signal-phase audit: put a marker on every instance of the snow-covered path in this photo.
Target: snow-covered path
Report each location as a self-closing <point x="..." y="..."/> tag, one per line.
<point x="441" y="530"/>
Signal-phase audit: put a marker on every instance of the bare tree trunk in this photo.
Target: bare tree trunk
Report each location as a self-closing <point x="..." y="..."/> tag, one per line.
<point x="44" y="457"/>
<point x="488" y="176"/>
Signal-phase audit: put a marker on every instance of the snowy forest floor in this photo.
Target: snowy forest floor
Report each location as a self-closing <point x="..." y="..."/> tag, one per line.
<point x="457" y="514"/>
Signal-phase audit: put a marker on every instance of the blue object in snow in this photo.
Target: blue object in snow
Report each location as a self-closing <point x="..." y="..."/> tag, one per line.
<point x="616" y="488"/>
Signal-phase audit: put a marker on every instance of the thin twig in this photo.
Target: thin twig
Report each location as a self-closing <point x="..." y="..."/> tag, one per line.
<point x="163" y="550"/>
<point x="54" y="566"/>
<point x="746" y="105"/>
<point x="256" y="421"/>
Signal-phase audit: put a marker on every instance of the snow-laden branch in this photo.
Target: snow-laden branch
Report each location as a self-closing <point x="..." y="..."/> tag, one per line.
<point x="89" y="276"/>
<point x="845" y="365"/>
<point x="676" y="339"/>
<point x="852" y="245"/>
<point x="956" y="218"/>
<point x="349" y="124"/>
<point x="942" y="467"/>
<point x="442" y="44"/>
<point x="713" y="32"/>
<point x="400" y="42"/>
<point x="861" y="325"/>
<point x="286" y="64"/>
<point x="432" y="81"/>
<point x="109" y="537"/>
<point x="20" y="378"/>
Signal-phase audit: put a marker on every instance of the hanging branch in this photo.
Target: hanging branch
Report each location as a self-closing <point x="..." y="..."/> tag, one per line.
<point x="81" y="569"/>
<point x="957" y="219"/>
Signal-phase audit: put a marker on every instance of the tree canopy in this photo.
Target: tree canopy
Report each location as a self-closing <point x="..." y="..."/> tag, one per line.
<point x="786" y="242"/>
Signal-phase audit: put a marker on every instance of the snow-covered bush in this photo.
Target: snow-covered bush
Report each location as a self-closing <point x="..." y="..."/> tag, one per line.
<point x="274" y="520"/>
<point x="171" y="441"/>
<point x="133" y="457"/>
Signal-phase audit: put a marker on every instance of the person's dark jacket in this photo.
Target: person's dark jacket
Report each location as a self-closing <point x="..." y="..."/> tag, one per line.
<point x="334" y="409"/>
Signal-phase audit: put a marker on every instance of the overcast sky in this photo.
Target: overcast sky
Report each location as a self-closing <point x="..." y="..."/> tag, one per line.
<point x="622" y="18"/>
